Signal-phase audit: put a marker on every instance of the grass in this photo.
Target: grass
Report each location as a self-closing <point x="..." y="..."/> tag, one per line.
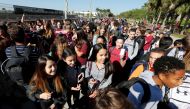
<point x="178" y="35"/>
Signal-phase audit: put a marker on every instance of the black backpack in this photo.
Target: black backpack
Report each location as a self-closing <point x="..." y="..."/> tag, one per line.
<point x="17" y="67"/>
<point x="125" y="86"/>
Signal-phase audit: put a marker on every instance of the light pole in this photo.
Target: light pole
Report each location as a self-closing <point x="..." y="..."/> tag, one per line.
<point x="90" y="9"/>
<point x="66" y="8"/>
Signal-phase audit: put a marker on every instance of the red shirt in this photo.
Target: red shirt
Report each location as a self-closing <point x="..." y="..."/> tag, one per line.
<point x="148" y="40"/>
<point x="83" y="49"/>
<point x="114" y="55"/>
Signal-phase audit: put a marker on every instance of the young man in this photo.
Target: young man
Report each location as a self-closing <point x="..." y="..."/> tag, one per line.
<point x="168" y="72"/>
<point x="131" y="45"/>
<point x="144" y="65"/>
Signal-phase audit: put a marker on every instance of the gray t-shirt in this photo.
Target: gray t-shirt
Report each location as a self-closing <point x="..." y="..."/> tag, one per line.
<point x="97" y="74"/>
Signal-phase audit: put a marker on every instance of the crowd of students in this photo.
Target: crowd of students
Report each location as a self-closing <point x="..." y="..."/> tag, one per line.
<point x="73" y="58"/>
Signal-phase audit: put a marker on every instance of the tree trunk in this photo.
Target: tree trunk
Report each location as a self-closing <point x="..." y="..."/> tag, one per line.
<point x="158" y="17"/>
<point x="153" y="20"/>
<point x="164" y="21"/>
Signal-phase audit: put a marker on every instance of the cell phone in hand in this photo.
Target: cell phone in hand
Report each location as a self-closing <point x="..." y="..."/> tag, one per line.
<point x="122" y="52"/>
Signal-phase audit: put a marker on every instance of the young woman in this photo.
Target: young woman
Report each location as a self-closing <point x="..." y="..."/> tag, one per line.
<point x="72" y="74"/>
<point x="113" y="99"/>
<point x="46" y="86"/>
<point x="59" y="44"/>
<point x="98" y="69"/>
<point x="102" y="32"/>
<point x="82" y="47"/>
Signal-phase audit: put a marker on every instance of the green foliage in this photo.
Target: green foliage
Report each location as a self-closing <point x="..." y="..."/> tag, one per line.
<point x="178" y="35"/>
<point x="134" y="14"/>
<point x="104" y="12"/>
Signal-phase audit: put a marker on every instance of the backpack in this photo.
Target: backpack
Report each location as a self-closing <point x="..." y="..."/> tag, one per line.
<point x="142" y="62"/>
<point x="125" y="86"/>
<point x="17" y="67"/>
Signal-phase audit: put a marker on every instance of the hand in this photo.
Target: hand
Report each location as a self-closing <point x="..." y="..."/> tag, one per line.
<point x="94" y="94"/>
<point x="45" y="95"/>
<point x="92" y="81"/>
<point x="52" y="106"/>
<point x="121" y="56"/>
<point x="76" y="88"/>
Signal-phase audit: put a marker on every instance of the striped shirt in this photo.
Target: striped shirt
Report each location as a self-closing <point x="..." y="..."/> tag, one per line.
<point x="33" y="56"/>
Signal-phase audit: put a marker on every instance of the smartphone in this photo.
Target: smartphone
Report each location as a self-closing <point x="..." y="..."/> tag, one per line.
<point x="122" y="52"/>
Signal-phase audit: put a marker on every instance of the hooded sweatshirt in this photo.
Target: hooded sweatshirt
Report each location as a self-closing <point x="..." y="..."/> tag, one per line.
<point x="137" y="92"/>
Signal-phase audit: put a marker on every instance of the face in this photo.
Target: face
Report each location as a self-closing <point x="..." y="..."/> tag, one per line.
<point x="50" y="68"/>
<point x="102" y="31"/>
<point x="172" y="80"/>
<point x="131" y="35"/>
<point x="101" y="56"/>
<point x="119" y="43"/>
<point x="58" y="25"/>
<point x="138" y="33"/>
<point x="153" y="57"/>
<point x="161" y="35"/>
<point x="87" y="29"/>
<point x="100" y="40"/>
<point x="70" y="60"/>
<point x="74" y="37"/>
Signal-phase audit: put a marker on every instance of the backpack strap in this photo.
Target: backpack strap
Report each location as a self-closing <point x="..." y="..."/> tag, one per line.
<point x="27" y="51"/>
<point x="14" y="52"/>
<point x="89" y="65"/>
<point x="134" y="45"/>
<point x="144" y="84"/>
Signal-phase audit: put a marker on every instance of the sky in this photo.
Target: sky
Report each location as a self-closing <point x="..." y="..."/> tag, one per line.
<point x="116" y="6"/>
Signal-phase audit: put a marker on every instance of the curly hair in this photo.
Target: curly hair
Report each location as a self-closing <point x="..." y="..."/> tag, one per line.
<point x="167" y="64"/>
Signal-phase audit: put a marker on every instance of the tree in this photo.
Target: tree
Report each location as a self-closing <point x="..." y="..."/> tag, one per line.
<point x="104" y="12"/>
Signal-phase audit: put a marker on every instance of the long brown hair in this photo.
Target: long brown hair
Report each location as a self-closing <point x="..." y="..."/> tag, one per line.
<point x="61" y="43"/>
<point x="39" y="79"/>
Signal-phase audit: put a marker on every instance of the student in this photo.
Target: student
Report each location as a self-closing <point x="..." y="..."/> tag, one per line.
<point x="110" y="98"/>
<point x="72" y="74"/>
<point x="148" y="39"/>
<point x="116" y="54"/>
<point x="98" y="69"/>
<point x="180" y="96"/>
<point x="100" y="39"/>
<point x="59" y="44"/>
<point x="168" y="72"/>
<point x="17" y="35"/>
<point x="177" y="51"/>
<point x="143" y="65"/>
<point x="118" y="57"/>
<point x="165" y="42"/>
<point x="102" y="32"/>
<point x="131" y="45"/>
<point x="46" y="86"/>
<point x="82" y="47"/>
